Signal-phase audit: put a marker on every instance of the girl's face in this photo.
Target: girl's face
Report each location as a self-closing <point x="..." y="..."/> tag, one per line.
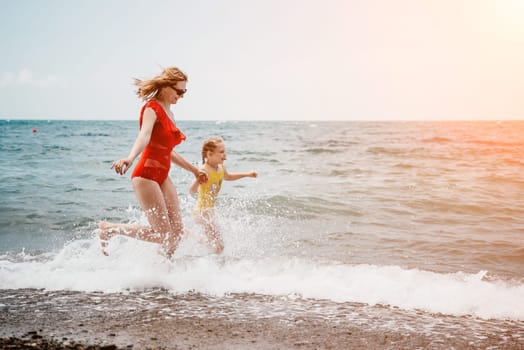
<point x="175" y="92"/>
<point x="217" y="156"/>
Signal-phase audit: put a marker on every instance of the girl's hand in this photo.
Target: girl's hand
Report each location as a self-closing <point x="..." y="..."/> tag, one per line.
<point x="202" y="176"/>
<point x="122" y="165"/>
<point x="253" y="174"/>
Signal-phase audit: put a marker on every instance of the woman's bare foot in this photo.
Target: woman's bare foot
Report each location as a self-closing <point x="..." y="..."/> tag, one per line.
<point x="105" y="232"/>
<point x="170" y="245"/>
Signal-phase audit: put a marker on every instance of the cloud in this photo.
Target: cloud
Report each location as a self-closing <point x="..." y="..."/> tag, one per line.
<point x="25" y="77"/>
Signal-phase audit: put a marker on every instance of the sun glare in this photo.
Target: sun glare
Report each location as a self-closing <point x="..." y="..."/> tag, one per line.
<point x="511" y="14"/>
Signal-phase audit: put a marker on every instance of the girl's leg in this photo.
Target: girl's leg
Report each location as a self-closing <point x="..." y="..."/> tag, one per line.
<point x="213" y="236"/>
<point x="175" y="219"/>
<point x="151" y="199"/>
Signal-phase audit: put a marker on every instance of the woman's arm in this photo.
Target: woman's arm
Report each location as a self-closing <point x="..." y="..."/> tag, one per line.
<point x="184" y="164"/>
<point x="148" y="121"/>
<point x="144" y="136"/>
<point x="200" y="175"/>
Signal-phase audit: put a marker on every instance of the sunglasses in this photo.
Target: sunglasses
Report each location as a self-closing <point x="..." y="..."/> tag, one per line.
<point x="180" y="92"/>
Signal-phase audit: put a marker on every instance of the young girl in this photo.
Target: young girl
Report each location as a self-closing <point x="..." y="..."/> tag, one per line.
<point x="213" y="157"/>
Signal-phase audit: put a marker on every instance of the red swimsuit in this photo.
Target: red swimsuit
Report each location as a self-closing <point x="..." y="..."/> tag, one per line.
<point x="155" y="160"/>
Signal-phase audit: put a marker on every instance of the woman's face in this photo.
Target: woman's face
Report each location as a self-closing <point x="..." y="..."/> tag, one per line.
<point x="175" y="92"/>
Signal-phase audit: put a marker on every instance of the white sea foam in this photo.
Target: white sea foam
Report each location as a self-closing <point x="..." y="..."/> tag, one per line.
<point x="134" y="265"/>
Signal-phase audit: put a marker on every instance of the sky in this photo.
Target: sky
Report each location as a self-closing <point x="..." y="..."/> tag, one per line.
<point x="267" y="59"/>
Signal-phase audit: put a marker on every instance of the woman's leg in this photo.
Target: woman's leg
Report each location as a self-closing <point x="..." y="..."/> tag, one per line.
<point x="175" y="219"/>
<point x="151" y="199"/>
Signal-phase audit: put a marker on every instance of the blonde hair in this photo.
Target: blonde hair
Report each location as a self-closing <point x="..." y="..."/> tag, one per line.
<point x="210" y="144"/>
<point x="148" y="89"/>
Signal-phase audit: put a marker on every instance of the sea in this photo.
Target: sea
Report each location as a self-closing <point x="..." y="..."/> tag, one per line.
<point x="423" y="218"/>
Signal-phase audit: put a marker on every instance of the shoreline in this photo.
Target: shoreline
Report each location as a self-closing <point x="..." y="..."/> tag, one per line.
<point x="159" y="320"/>
<point x="267" y="334"/>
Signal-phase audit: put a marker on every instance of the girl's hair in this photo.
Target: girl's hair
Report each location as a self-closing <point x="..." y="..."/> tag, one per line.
<point x="210" y="144"/>
<point x="148" y="89"/>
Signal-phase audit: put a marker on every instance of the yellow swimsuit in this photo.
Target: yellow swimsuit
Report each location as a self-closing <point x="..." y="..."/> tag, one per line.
<point x="208" y="192"/>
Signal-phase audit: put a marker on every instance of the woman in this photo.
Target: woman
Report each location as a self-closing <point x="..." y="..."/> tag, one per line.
<point x="152" y="186"/>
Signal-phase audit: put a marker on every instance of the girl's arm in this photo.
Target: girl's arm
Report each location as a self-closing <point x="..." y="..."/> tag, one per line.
<point x="236" y="176"/>
<point x="148" y="121"/>
<point x="194" y="187"/>
<point x="201" y="179"/>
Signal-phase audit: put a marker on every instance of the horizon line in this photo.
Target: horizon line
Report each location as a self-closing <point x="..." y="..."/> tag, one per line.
<point x="275" y="120"/>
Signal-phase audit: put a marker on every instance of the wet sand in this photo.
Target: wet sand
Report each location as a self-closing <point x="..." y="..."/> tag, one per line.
<point x="160" y="320"/>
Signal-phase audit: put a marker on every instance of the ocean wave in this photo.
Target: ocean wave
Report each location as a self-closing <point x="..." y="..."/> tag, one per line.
<point x="404" y="166"/>
<point x="515" y="162"/>
<point x="493" y="143"/>
<point x="306" y="207"/>
<point x="136" y="266"/>
<point x="94" y="134"/>
<point x="319" y="150"/>
<point x="398" y="151"/>
<point x="506" y="255"/>
<point x="341" y="173"/>
<point x="334" y="143"/>
<point x="500" y="179"/>
<point x="260" y="160"/>
<point x="437" y="139"/>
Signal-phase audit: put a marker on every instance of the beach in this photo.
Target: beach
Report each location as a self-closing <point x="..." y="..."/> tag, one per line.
<point x="161" y="320"/>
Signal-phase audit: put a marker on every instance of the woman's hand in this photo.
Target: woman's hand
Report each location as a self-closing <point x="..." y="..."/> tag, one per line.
<point x="202" y="176"/>
<point x="122" y="165"/>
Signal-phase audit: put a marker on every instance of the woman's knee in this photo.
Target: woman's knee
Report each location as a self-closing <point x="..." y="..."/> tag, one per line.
<point x="159" y="220"/>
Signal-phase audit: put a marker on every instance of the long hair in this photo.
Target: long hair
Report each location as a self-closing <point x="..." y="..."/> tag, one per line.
<point x="148" y="89"/>
<point x="210" y="144"/>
